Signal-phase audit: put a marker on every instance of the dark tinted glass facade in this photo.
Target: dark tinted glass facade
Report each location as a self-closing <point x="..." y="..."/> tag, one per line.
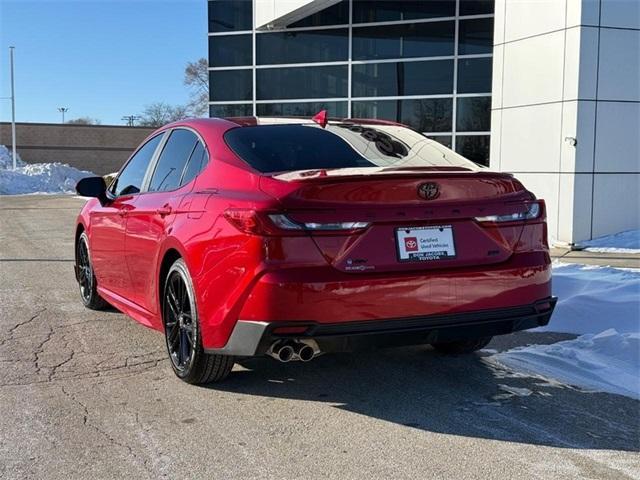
<point x="302" y="47"/>
<point x="426" y="63"/>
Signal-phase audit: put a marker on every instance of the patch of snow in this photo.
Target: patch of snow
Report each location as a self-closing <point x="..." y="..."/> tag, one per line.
<point x="623" y="242"/>
<point x="37" y="177"/>
<point x="608" y="361"/>
<point x="592" y="299"/>
<point x="515" y="391"/>
<point x="602" y="305"/>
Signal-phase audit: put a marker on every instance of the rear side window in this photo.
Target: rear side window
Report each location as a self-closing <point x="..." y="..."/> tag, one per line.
<point x="172" y="161"/>
<point x="130" y="179"/>
<point x="281" y="148"/>
<point x="285" y="148"/>
<point x="197" y="162"/>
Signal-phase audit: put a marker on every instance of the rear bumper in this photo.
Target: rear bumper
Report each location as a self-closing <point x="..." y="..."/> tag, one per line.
<point x="250" y="338"/>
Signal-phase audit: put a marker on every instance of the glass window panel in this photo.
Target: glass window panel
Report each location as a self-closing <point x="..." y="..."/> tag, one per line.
<point x="299" y="47"/>
<point x="172" y="161"/>
<point x="424" y="115"/>
<point x="388" y="10"/>
<point x="473" y="114"/>
<point x="474" y="75"/>
<point x="233" y="110"/>
<point x="337" y="14"/>
<point x="474" y="147"/>
<point x="397" y="41"/>
<point x="285" y="148"/>
<point x="197" y="162"/>
<point x="476" y="36"/>
<point x="230" y="51"/>
<point x="226" y="85"/>
<point x="476" y="7"/>
<point x="444" y="140"/>
<point x="129" y="181"/>
<point x="301" y="82"/>
<point x="230" y="15"/>
<point x="403" y="78"/>
<point x="302" y="109"/>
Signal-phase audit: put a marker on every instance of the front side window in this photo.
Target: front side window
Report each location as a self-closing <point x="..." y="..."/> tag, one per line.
<point x="132" y="175"/>
<point x="172" y="161"/>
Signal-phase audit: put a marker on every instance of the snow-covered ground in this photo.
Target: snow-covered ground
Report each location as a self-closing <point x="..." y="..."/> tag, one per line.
<point x="623" y="242"/>
<point x="37" y="177"/>
<point x="602" y="305"/>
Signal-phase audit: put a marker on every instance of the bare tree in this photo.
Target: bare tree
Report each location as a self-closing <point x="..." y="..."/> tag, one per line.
<point x="196" y="77"/>
<point x="159" y="113"/>
<point x="84" y="121"/>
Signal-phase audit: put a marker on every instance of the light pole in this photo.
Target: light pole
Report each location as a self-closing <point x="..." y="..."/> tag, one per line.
<point x="13" y="112"/>
<point x="63" y="110"/>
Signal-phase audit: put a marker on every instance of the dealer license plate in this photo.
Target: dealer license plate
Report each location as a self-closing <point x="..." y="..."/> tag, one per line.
<point x="421" y="244"/>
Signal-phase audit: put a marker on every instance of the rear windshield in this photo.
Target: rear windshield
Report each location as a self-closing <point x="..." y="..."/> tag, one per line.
<point x="290" y="147"/>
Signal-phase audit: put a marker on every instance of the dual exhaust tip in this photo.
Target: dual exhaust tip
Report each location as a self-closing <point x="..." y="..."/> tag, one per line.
<point x="292" y="350"/>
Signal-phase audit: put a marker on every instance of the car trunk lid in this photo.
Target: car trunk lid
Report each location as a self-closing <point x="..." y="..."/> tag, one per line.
<point x="436" y="207"/>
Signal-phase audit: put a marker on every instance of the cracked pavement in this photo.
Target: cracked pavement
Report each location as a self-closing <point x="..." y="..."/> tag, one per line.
<point x="88" y="394"/>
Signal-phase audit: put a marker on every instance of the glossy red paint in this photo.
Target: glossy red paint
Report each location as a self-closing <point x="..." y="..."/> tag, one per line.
<point x="309" y="276"/>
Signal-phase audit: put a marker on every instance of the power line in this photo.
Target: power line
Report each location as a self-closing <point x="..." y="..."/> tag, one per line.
<point x="131" y="119"/>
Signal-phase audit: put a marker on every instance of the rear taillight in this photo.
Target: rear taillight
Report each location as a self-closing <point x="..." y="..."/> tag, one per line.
<point x="529" y="211"/>
<point x="261" y="223"/>
<point x="248" y="221"/>
<point x="284" y="222"/>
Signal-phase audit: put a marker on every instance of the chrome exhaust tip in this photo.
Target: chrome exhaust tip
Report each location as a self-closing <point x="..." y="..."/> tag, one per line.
<point x="306" y="353"/>
<point x="285" y="353"/>
<point x="290" y="350"/>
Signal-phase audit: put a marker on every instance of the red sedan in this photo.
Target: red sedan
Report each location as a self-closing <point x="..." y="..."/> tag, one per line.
<point x="292" y="238"/>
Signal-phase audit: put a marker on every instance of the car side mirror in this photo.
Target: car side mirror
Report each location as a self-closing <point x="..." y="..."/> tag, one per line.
<point x="92" y="187"/>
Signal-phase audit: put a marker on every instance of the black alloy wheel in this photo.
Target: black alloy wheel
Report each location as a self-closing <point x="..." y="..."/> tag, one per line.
<point x="182" y="332"/>
<point x="179" y="323"/>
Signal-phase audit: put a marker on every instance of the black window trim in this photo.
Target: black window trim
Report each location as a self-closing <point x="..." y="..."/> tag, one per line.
<point x="154" y="161"/>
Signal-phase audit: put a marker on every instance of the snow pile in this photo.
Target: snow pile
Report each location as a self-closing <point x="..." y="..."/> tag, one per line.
<point x="623" y="242"/>
<point x="603" y="305"/>
<point x="608" y="361"/>
<point x="592" y="299"/>
<point x="36" y="178"/>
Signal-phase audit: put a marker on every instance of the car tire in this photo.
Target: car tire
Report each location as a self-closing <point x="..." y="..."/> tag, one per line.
<point x="462" y="346"/>
<point x="182" y="332"/>
<point x="85" y="276"/>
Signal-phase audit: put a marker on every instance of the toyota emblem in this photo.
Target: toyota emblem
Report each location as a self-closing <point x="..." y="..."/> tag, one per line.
<point x="429" y="190"/>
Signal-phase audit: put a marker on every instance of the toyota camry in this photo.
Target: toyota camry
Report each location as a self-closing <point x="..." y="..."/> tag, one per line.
<point x="293" y="238"/>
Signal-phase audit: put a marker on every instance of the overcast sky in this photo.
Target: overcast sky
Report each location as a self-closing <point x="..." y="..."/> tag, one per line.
<point x="100" y="58"/>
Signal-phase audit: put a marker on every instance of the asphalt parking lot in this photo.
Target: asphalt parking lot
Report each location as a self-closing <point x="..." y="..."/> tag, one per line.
<point x="91" y="395"/>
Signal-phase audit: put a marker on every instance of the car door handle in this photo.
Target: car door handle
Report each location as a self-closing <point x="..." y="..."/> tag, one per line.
<point x="164" y="210"/>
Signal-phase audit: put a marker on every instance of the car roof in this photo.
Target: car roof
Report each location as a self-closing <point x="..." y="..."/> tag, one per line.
<point x="252" y="121"/>
<point x="231" y="122"/>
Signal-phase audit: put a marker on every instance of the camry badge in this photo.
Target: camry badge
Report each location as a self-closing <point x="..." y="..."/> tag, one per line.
<point x="429" y="190"/>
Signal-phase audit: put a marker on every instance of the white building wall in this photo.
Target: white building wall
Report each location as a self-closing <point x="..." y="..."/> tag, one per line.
<point x="565" y="70"/>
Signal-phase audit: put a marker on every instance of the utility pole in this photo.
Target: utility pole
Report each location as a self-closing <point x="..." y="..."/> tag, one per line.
<point x="63" y="110"/>
<point x="130" y="119"/>
<point x="13" y="113"/>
